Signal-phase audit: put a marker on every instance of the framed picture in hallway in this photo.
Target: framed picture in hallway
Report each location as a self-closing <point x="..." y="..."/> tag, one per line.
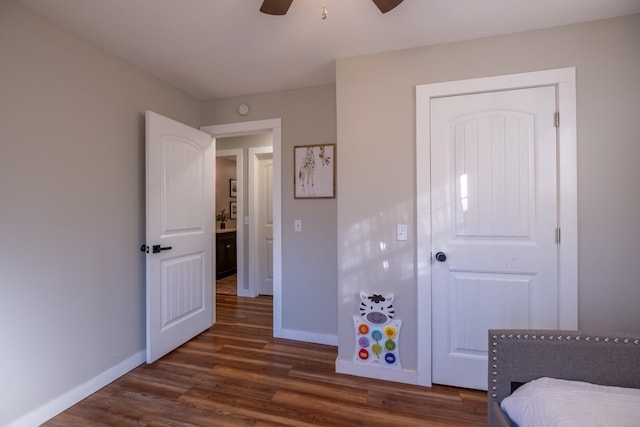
<point x="233" y="209"/>
<point x="314" y="171"/>
<point x="233" y="188"/>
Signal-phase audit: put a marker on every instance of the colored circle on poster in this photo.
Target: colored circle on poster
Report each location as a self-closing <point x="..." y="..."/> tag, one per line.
<point x="376" y="335"/>
<point x="363" y="329"/>
<point x="390" y="332"/>
<point x="390" y="358"/>
<point x="363" y="354"/>
<point x="363" y="342"/>
<point x="390" y="345"/>
<point x="376" y="348"/>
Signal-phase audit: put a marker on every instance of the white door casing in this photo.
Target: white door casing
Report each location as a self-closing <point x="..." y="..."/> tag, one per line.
<point x="179" y="211"/>
<point x="563" y="81"/>
<point x="494" y="216"/>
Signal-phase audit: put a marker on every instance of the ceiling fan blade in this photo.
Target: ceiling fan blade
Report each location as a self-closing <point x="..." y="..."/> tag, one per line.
<point x="386" y="5"/>
<point x="275" y="7"/>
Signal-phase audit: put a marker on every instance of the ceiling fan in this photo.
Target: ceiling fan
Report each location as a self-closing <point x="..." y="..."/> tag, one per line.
<point x="280" y="7"/>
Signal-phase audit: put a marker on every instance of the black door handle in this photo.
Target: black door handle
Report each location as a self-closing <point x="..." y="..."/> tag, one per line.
<point x="441" y="256"/>
<point x="157" y="248"/>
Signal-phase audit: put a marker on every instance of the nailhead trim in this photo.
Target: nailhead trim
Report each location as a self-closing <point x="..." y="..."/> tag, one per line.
<point x="495" y="357"/>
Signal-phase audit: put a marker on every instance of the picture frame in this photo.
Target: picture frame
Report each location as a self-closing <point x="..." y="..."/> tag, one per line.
<point x="314" y="171"/>
<point x="233" y="187"/>
<point x="233" y="209"/>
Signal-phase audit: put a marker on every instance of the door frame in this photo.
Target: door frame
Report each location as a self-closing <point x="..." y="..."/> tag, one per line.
<point x="238" y="154"/>
<point x="251" y="128"/>
<point x="564" y="80"/>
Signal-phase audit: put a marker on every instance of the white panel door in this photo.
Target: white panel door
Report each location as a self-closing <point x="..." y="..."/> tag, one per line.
<point x="494" y="218"/>
<point x="265" y="221"/>
<point x="179" y="215"/>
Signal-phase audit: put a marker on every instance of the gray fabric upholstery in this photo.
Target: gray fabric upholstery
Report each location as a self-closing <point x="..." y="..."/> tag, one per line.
<point x="519" y="356"/>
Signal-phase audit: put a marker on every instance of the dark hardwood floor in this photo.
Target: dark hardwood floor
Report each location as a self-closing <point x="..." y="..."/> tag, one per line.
<point x="236" y="374"/>
<point x="227" y="285"/>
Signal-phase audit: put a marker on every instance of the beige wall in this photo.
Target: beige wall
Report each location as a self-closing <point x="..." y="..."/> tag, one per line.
<point x="225" y="170"/>
<point x="376" y="125"/>
<point x="72" y="209"/>
<point x="309" y="282"/>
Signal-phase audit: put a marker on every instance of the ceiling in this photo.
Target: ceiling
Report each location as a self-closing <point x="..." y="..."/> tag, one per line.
<point x="219" y="48"/>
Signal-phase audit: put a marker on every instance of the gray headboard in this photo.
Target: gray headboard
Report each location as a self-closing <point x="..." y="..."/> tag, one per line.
<point x="517" y="356"/>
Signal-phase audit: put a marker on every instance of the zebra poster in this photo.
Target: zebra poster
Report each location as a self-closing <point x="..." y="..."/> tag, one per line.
<point x="314" y="171"/>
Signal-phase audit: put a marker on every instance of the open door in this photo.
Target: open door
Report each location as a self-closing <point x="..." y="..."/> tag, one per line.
<point x="179" y="220"/>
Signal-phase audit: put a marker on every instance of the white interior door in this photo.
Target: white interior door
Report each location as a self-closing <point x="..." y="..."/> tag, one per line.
<point x="261" y="242"/>
<point x="265" y="221"/>
<point x="179" y="219"/>
<point x="494" y="217"/>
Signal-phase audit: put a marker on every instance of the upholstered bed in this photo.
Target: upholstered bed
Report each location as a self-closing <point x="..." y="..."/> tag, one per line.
<point x="517" y="357"/>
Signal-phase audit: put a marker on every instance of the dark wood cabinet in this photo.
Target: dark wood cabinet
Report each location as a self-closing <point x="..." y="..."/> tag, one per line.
<point x="225" y="254"/>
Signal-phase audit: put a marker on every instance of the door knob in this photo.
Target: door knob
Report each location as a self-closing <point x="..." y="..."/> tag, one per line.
<point x="441" y="256"/>
<point x="157" y="248"/>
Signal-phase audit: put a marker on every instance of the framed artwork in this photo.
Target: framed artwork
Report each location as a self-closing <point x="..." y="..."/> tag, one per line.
<point x="233" y="188"/>
<point x="233" y="209"/>
<point x="314" y="171"/>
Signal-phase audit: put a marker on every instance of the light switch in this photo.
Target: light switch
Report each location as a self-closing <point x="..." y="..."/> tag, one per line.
<point x="401" y="232"/>
<point x="297" y="225"/>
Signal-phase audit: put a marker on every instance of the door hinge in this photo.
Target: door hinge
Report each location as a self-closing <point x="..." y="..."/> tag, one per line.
<point x="557" y="235"/>
<point x="556" y="119"/>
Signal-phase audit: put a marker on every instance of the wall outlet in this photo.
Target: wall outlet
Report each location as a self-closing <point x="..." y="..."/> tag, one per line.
<point x="297" y="225"/>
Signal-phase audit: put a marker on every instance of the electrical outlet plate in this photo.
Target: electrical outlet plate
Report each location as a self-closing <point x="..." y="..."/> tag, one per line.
<point x="402" y="232"/>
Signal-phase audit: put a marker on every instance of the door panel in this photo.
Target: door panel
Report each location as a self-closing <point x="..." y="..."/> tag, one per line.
<point x="494" y="215"/>
<point x="179" y="210"/>
<point x="482" y="300"/>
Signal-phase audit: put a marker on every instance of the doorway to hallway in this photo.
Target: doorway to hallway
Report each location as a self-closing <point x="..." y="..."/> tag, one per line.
<point x="272" y="126"/>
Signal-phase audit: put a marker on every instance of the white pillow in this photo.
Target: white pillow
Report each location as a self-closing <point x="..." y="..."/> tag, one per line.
<point x="548" y="402"/>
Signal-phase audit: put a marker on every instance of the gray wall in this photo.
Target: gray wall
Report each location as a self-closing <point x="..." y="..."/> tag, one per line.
<point x="376" y="110"/>
<point x="309" y="282"/>
<point x="71" y="208"/>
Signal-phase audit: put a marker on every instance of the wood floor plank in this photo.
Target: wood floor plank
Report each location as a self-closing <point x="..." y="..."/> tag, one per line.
<point x="251" y="408"/>
<point x="354" y="414"/>
<point x="290" y="358"/>
<point x="237" y="374"/>
<point x="350" y="394"/>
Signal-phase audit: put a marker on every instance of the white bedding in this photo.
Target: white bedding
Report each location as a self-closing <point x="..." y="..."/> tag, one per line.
<point x="548" y="402"/>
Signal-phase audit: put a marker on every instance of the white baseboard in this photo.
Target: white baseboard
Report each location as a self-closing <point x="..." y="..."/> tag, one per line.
<point x="246" y="293"/>
<point x="309" y="337"/>
<point x="377" y="372"/>
<point x="70" y="398"/>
